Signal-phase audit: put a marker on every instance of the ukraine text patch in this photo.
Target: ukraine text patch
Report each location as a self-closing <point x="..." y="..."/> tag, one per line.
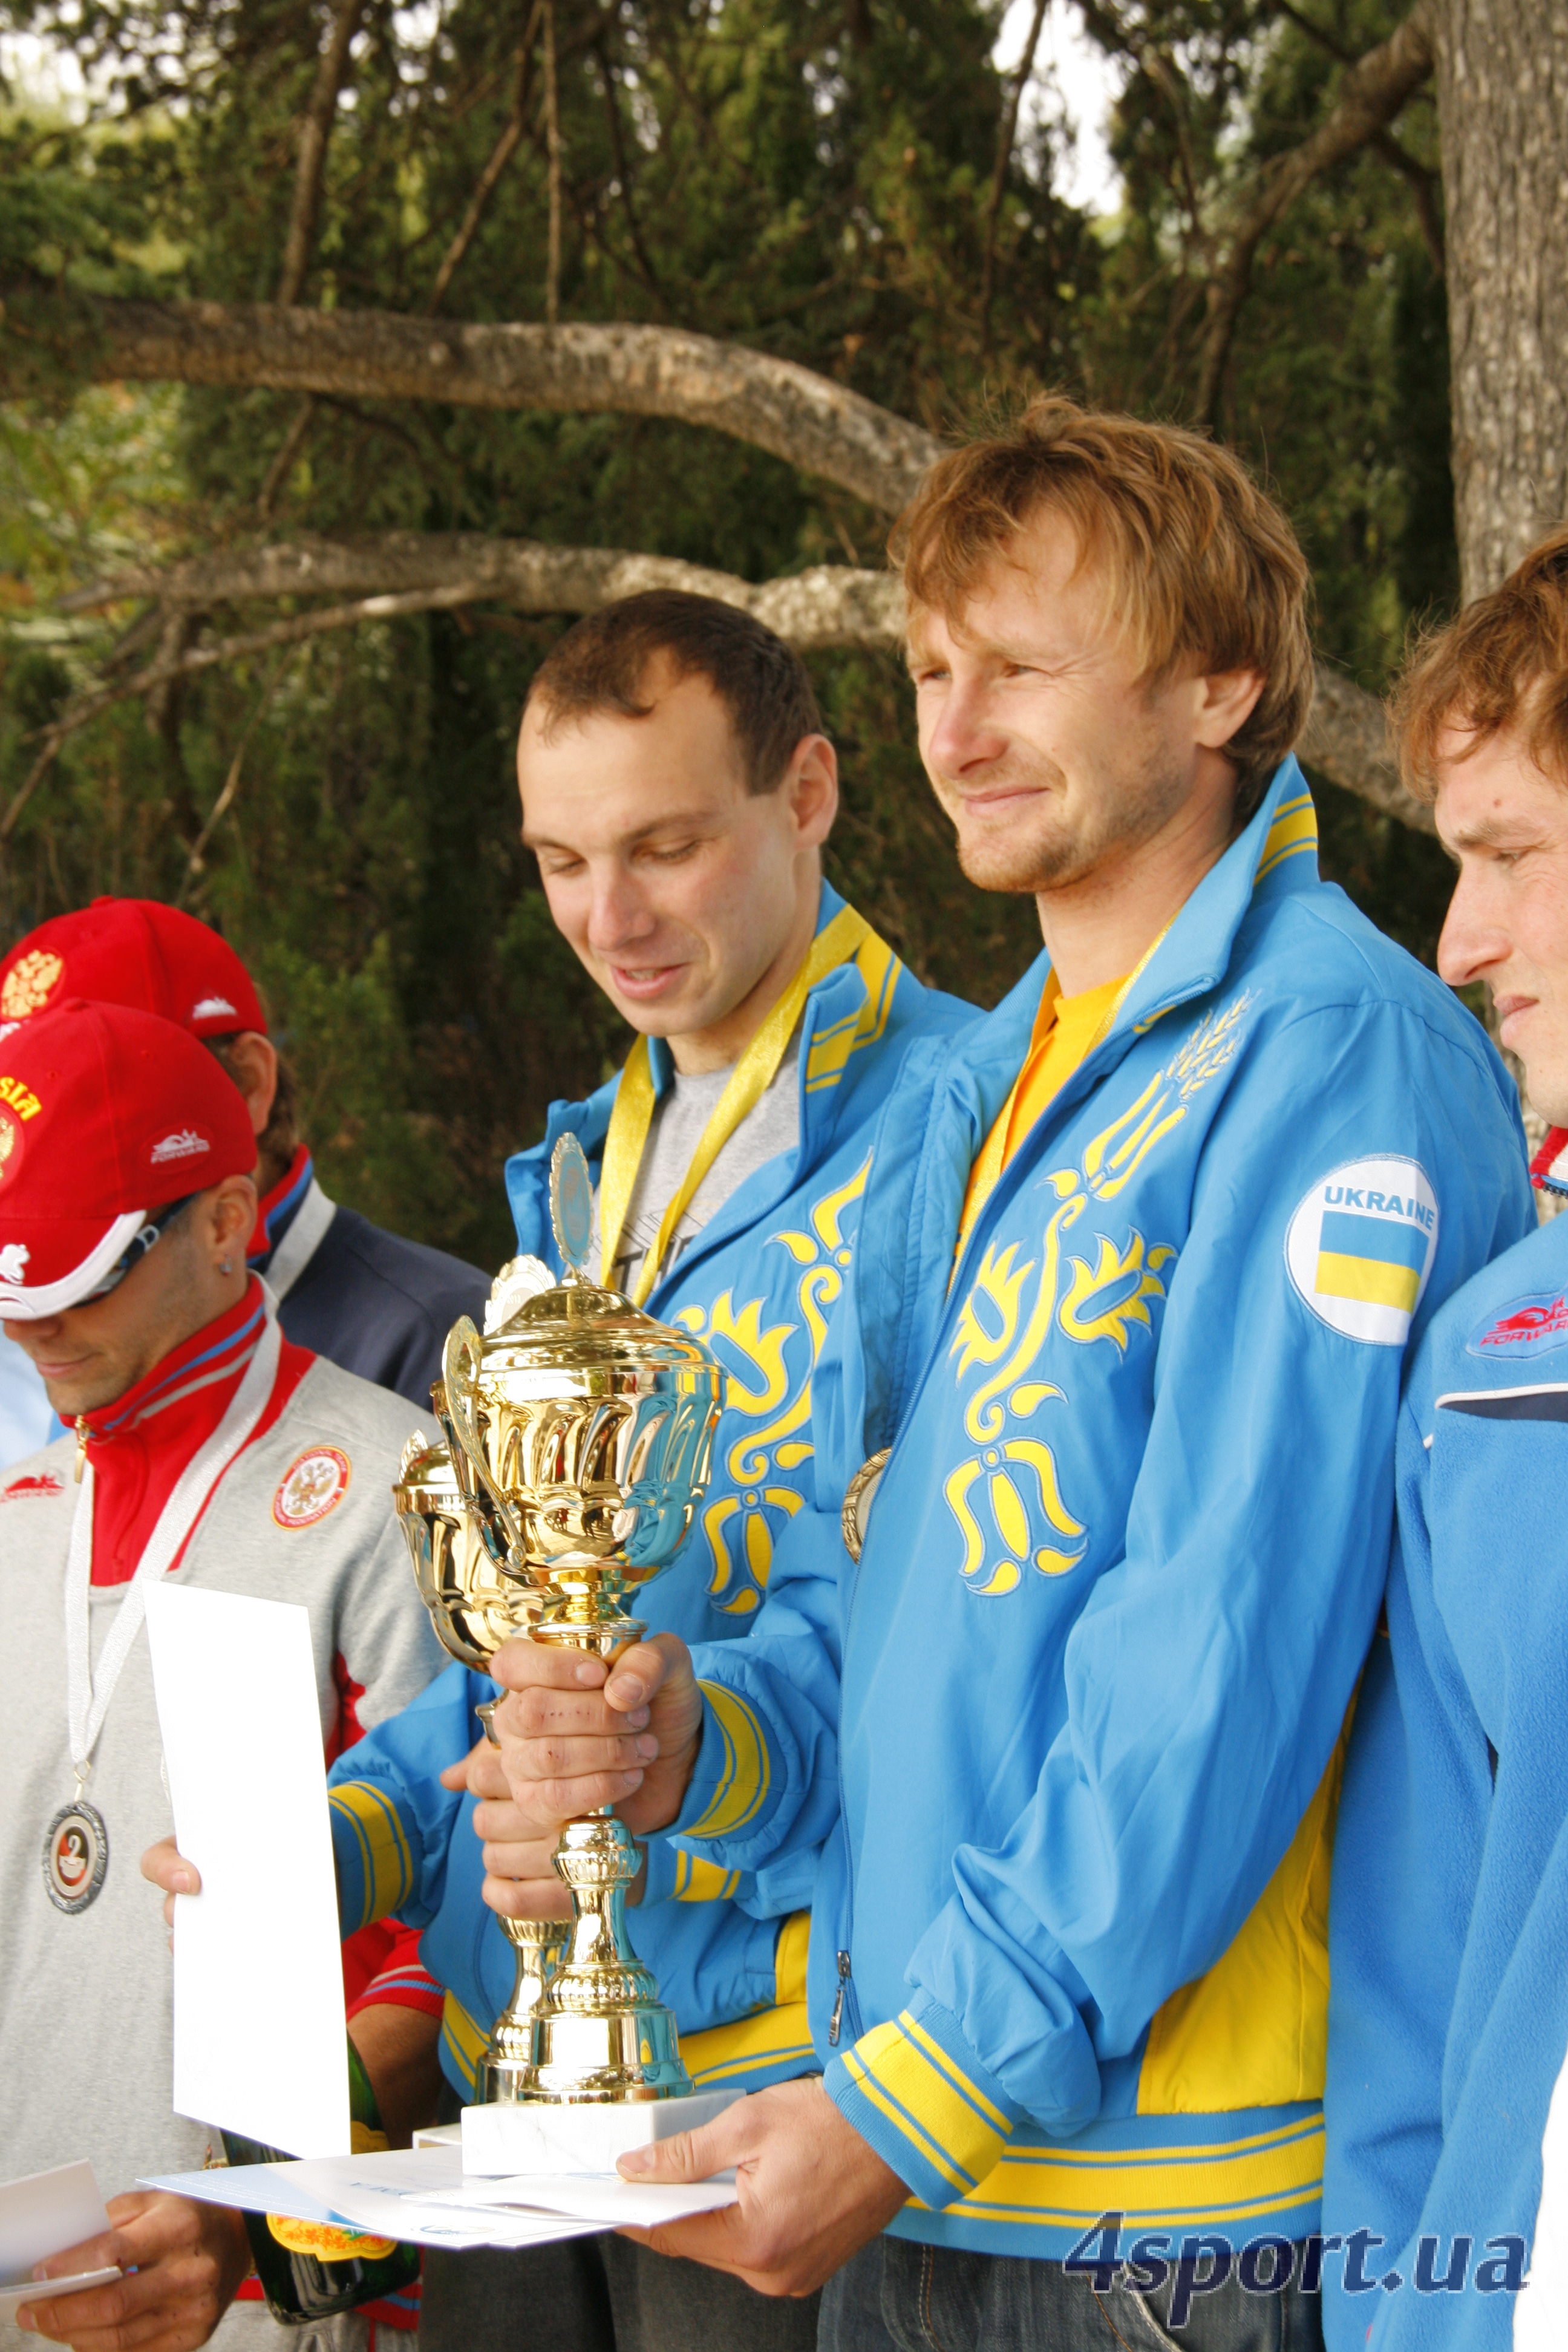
<point x="1360" y="1248"/>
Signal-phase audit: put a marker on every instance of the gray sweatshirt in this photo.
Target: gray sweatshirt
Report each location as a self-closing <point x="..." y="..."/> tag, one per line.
<point x="86" y="2028"/>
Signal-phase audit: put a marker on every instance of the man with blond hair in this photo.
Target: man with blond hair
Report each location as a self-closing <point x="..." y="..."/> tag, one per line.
<point x="1448" y="2117"/>
<point x="1141" y="1256"/>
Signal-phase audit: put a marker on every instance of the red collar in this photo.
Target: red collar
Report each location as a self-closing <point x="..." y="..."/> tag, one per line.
<point x="1548" y="1169"/>
<point x="193" y="1382"/>
<point x="279" y="1208"/>
<point x="139" y="1445"/>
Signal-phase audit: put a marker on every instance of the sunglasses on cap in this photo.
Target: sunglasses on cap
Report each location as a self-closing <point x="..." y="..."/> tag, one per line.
<point x="137" y="1248"/>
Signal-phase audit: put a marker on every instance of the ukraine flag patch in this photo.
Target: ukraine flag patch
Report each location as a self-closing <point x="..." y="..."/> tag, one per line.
<point x="1361" y="1246"/>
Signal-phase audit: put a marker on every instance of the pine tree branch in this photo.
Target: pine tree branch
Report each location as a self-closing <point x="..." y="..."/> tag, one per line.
<point x="288" y="449"/>
<point x="1424" y="185"/>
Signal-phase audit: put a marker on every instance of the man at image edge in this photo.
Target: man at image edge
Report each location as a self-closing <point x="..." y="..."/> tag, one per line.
<point x="1448" y="2020"/>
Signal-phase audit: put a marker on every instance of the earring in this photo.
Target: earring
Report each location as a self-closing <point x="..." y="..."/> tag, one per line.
<point x="225" y="1265"/>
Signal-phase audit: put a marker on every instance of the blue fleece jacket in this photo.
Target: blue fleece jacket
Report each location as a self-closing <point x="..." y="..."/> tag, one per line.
<point x="1449" y="2017"/>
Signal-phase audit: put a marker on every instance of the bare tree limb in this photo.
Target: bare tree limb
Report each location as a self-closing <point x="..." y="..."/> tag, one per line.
<point x="195" y="864"/>
<point x="315" y="133"/>
<point x="553" y="148"/>
<point x="831" y="605"/>
<point x="287" y="451"/>
<point x="501" y="156"/>
<point x="1371" y="95"/>
<point x="773" y="403"/>
<point x="1424" y="185"/>
<point x="1346" y="740"/>
<point x="624" y="176"/>
<point x="1005" y="137"/>
<point x="827" y="606"/>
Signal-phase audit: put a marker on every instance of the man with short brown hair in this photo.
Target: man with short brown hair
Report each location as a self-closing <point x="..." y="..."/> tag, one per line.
<point x="1112" y="1393"/>
<point x="676" y="788"/>
<point x="1447" y="2118"/>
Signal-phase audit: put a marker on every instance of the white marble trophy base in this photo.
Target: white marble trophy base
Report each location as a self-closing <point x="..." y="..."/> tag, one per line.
<point x="518" y="2137"/>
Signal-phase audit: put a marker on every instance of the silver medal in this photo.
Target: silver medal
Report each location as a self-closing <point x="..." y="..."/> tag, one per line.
<point x="75" y="1856"/>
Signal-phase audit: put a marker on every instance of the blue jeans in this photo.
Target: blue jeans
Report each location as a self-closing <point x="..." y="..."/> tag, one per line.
<point x="897" y="2297"/>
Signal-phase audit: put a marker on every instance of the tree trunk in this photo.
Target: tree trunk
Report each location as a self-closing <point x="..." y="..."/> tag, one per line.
<point x="1502" y="103"/>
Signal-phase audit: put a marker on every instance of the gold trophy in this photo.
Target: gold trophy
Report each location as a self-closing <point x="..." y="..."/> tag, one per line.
<point x="578" y="1437"/>
<point x="475" y="1607"/>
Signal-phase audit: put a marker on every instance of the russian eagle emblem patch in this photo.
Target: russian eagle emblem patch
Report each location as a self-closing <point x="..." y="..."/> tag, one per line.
<point x="311" y="1487"/>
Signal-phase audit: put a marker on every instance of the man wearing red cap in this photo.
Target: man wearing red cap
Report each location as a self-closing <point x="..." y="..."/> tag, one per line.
<point x="200" y="1443"/>
<point x="368" y="1300"/>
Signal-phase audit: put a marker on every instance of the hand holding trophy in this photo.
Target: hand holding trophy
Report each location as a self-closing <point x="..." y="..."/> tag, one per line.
<point x="578" y="1435"/>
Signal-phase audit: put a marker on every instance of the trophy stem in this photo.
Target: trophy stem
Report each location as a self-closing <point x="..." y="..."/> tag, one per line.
<point x="595" y="1622"/>
<point x="537" y="1944"/>
<point x="599" y="2030"/>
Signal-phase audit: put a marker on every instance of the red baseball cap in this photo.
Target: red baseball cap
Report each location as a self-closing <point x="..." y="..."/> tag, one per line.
<point x="132" y="951"/>
<point x="105" y="1114"/>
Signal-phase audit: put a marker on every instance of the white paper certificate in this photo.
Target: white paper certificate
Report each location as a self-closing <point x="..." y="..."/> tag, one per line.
<point x="260" y="2039"/>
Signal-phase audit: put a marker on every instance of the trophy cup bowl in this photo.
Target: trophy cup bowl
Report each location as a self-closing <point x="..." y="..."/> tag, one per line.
<point x="475" y="1607"/>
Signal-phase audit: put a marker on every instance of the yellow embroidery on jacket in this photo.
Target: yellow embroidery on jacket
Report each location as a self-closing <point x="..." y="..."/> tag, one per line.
<point x="740" y="1526"/>
<point x="1089" y="1312"/>
<point x="1011" y="1308"/>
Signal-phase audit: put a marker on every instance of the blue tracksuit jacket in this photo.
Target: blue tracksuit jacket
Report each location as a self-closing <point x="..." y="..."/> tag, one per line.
<point x="1449" y="1925"/>
<point x="760" y="1283"/>
<point x="1072" y="1728"/>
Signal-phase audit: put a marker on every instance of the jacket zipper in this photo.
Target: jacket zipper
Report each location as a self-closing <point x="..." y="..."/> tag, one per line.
<point x="838" y="2021"/>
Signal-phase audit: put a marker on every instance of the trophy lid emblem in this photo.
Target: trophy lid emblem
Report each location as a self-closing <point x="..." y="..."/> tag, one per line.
<point x="572" y="1206"/>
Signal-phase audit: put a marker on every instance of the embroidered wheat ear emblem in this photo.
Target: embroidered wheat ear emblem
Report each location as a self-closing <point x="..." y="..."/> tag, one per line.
<point x="1211" y="1044"/>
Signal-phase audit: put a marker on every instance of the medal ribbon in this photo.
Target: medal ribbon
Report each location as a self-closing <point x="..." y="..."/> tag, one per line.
<point x="87" y="1697"/>
<point x="752" y="1075"/>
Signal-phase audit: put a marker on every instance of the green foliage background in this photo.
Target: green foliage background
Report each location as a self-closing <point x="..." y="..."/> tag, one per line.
<point x="812" y="179"/>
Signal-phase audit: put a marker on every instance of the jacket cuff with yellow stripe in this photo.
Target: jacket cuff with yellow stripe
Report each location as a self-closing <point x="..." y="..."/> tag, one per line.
<point x="917" y="2092"/>
<point x="673" y="1875"/>
<point x="376" y="1870"/>
<point x="737" y="1782"/>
